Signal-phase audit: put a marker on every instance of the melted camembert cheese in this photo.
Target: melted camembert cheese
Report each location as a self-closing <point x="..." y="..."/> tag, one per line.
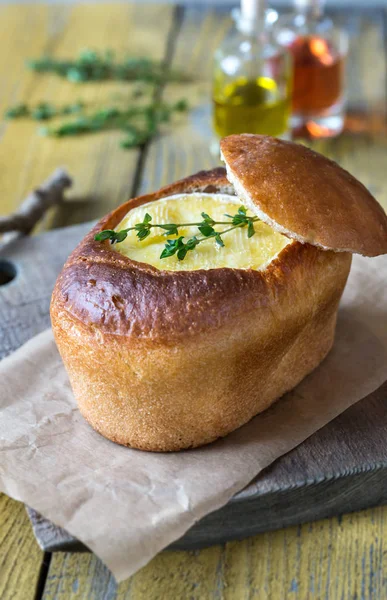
<point x="239" y="251"/>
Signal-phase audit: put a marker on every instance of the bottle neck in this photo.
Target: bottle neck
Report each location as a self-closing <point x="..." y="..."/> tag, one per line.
<point x="309" y="8"/>
<point x="250" y="20"/>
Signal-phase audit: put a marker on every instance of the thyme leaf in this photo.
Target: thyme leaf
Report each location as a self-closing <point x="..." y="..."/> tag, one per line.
<point x="17" y="111"/>
<point x="44" y="111"/>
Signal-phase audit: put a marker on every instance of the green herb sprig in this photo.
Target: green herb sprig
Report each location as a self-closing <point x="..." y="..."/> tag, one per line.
<point x="91" y="65"/>
<point x="139" y="123"/>
<point x="180" y="246"/>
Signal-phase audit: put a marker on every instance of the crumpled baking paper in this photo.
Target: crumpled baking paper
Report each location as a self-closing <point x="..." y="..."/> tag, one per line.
<point x="127" y="505"/>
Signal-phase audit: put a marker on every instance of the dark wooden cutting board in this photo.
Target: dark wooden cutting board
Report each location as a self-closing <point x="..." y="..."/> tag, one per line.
<point x="341" y="468"/>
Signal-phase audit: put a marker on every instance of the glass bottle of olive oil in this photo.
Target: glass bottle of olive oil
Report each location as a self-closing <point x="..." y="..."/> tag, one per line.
<point x="252" y="78"/>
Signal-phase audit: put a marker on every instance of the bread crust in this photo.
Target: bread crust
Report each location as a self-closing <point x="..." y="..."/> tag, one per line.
<point x="168" y="360"/>
<point x="305" y="195"/>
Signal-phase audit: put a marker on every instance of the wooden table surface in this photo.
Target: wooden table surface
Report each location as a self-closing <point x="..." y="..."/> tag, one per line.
<point x="340" y="558"/>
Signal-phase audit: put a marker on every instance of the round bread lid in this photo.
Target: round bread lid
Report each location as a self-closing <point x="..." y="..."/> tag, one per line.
<point x="304" y="195"/>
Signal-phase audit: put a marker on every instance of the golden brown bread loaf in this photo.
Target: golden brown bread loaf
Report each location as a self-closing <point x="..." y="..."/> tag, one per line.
<point x="166" y="360"/>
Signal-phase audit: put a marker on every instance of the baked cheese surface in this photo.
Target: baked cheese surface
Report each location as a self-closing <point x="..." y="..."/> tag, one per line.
<point x="239" y="251"/>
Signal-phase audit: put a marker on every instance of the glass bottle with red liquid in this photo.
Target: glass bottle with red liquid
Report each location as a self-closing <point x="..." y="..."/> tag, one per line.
<point x="319" y="50"/>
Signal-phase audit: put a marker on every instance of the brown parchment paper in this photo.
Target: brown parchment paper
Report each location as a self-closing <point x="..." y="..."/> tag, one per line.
<point x="127" y="505"/>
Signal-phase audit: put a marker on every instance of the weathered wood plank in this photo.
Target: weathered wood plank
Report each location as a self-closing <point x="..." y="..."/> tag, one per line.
<point x="331" y="559"/>
<point x="102" y="171"/>
<point x="186" y="149"/>
<point x="20" y="556"/>
<point x="24" y="303"/>
<point x="342" y="558"/>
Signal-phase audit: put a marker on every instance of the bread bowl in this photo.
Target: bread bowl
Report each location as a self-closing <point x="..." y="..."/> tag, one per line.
<point x="170" y="356"/>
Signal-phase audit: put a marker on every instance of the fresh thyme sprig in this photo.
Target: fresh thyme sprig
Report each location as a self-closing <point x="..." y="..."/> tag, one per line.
<point x="139" y="122"/>
<point x="179" y="246"/>
<point x="91" y="65"/>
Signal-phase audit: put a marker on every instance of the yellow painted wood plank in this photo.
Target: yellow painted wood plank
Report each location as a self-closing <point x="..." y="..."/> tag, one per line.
<point x="186" y="148"/>
<point x="331" y="559"/>
<point x="20" y="556"/>
<point x="102" y="171"/>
